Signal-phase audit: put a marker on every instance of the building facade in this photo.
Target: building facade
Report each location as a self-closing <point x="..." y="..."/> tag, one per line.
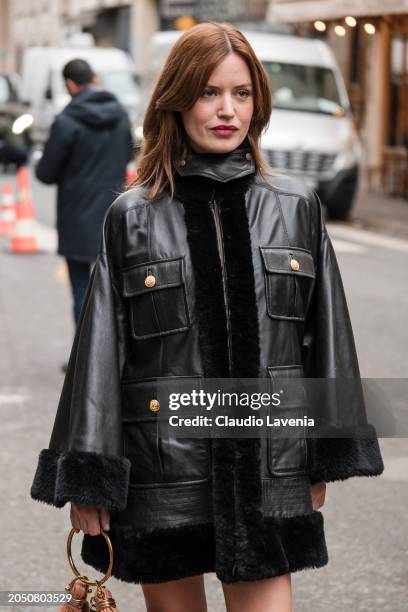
<point x="127" y="24"/>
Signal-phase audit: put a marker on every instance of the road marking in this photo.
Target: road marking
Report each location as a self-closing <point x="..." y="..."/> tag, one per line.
<point x="344" y="246"/>
<point x="20" y="426"/>
<point x="6" y="399"/>
<point x="366" y="237"/>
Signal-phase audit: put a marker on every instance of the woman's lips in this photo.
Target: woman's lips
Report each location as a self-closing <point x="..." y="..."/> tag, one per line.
<point x="224" y="131"/>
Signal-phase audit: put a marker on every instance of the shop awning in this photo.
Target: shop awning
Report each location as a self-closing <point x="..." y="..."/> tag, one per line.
<point x="290" y="12"/>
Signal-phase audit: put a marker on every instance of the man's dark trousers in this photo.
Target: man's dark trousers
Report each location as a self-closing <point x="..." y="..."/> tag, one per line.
<point x="79" y="274"/>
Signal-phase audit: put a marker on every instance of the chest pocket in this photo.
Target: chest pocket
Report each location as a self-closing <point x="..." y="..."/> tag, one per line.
<point x="289" y="279"/>
<point x="157" y="297"/>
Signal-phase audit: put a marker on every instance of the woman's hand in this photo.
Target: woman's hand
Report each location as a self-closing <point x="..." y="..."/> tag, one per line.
<point x="89" y="519"/>
<point x="318" y="493"/>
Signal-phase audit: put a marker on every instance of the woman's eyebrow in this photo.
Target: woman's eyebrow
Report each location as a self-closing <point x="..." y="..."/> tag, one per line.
<point x="247" y="84"/>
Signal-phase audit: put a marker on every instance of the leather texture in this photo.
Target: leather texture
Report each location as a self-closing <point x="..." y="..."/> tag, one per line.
<point x="234" y="304"/>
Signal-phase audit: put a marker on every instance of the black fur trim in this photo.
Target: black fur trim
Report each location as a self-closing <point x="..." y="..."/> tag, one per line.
<point x="290" y="545"/>
<point x="240" y="279"/>
<point x="153" y="555"/>
<point x="249" y="536"/>
<point x="237" y="486"/>
<point x="159" y="555"/>
<point x="332" y="459"/>
<point x="85" y="478"/>
<point x="195" y="193"/>
<point x="43" y="486"/>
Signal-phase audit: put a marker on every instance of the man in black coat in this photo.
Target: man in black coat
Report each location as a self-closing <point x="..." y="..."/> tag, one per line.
<point x="86" y="155"/>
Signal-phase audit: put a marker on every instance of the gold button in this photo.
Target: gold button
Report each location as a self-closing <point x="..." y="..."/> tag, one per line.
<point x="183" y="162"/>
<point x="294" y="264"/>
<point x="154" y="405"/>
<point x="248" y="156"/>
<point x="150" y="281"/>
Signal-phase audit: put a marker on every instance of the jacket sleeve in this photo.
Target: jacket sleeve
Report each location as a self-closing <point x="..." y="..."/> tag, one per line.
<point x="57" y="148"/>
<point x="348" y="444"/>
<point x="84" y="462"/>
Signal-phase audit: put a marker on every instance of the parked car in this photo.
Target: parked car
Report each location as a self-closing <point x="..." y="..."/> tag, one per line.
<point x="43" y="88"/>
<point x="15" y="126"/>
<point x="311" y="134"/>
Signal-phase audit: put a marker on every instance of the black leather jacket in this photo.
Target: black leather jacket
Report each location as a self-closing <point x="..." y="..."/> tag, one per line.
<point x="233" y="276"/>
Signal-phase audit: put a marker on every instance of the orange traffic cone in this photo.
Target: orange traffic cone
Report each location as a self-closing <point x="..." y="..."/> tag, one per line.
<point x="131" y="174"/>
<point x="24" y="239"/>
<point x="8" y="211"/>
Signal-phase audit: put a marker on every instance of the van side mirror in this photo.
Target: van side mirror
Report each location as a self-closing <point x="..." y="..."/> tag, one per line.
<point x="48" y="93"/>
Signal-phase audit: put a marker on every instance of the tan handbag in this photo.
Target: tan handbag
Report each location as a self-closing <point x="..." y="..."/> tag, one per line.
<point x="80" y="587"/>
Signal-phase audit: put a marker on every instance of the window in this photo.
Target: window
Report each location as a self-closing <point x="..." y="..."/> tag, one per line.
<point x="303" y="88"/>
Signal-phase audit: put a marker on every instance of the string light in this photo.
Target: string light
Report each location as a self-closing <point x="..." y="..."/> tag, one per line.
<point x="340" y="30"/>
<point x="320" y="26"/>
<point x="369" y="28"/>
<point x="351" y="21"/>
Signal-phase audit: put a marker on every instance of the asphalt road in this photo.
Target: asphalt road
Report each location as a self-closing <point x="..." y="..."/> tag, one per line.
<point x="366" y="519"/>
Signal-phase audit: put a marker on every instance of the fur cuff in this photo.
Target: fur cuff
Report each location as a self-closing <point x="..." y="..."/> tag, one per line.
<point x="43" y="487"/>
<point x="336" y="458"/>
<point x="84" y="478"/>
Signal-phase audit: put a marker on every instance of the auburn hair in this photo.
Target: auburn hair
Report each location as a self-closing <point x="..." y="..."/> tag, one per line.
<point x="184" y="77"/>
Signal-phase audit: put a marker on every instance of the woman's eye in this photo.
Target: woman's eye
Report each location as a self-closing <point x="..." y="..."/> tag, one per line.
<point x="207" y="93"/>
<point x="244" y="93"/>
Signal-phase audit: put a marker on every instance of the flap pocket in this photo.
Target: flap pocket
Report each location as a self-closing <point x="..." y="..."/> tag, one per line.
<point x="157" y="457"/>
<point x="164" y="272"/>
<point x="157" y="297"/>
<point x="288" y="260"/>
<point x="289" y="281"/>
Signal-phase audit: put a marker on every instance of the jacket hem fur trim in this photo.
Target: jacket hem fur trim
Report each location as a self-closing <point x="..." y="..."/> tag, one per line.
<point x="84" y="478"/>
<point x="159" y="555"/>
<point x="334" y="459"/>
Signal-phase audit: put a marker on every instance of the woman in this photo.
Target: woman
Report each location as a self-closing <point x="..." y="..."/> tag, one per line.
<point x="208" y="267"/>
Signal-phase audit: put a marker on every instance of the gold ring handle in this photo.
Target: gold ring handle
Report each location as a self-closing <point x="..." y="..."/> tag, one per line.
<point x="84" y="579"/>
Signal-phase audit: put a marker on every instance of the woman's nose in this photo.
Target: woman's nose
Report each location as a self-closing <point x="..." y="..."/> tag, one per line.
<point x="227" y="107"/>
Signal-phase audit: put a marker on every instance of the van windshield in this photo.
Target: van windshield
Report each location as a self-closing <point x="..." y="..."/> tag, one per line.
<point x="303" y="88"/>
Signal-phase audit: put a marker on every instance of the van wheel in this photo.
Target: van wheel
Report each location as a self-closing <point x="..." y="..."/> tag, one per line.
<point x="342" y="198"/>
<point x="339" y="211"/>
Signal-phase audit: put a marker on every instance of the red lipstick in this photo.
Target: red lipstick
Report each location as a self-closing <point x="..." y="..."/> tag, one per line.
<point x="224" y="130"/>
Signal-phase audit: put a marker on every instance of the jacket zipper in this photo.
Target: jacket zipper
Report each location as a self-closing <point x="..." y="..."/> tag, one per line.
<point x="218" y="227"/>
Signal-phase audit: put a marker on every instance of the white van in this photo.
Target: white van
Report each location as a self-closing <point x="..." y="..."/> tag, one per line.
<point x="311" y="133"/>
<point x="42" y="85"/>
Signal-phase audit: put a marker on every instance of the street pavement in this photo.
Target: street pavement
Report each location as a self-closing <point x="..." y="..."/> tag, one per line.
<point x="366" y="519"/>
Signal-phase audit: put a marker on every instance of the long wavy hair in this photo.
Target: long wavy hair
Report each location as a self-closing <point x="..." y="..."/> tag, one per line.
<point x="183" y="79"/>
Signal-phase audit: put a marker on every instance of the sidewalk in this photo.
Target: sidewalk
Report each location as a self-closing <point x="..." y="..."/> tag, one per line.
<point x="380" y="213"/>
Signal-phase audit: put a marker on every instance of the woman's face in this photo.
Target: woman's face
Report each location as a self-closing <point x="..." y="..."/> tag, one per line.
<point x="219" y="120"/>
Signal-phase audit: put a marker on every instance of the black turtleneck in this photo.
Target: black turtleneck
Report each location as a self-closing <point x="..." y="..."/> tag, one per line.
<point x="205" y="176"/>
